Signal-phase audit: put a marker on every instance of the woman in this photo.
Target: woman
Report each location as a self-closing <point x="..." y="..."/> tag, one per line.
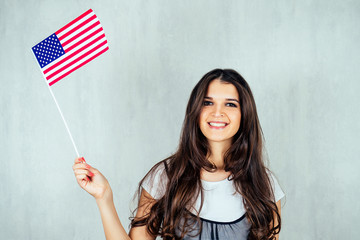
<point x="215" y="186"/>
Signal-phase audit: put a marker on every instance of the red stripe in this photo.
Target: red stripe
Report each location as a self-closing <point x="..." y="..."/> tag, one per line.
<point x="82" y="64"/>
<point x="73" y="21"/>
<point x="83" y="40"/>
<point x="77" y="27"/>
<point x="73" y="54"/>
<point x="80" y="33"/>
<point x="76" y="60"/>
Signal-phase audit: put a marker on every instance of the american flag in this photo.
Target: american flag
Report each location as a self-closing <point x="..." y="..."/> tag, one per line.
<point x="71" y="47"/>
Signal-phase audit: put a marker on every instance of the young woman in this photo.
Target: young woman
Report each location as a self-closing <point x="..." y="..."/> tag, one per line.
<point x="215" y="186"/>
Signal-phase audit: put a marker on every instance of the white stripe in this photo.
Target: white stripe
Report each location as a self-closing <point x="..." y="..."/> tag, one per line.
<point x="76" y="24"/>
<point x="80" y="37"/>
<point x="77" y="63"/>
<point x="72" y="51"/>
<point x="62" y="41"/>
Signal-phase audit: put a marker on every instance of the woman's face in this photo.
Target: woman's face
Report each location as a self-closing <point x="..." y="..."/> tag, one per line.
<point x="220" y="115"/>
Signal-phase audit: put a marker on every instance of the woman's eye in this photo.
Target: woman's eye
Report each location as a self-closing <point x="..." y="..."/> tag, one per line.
<point x="231" y="104"/>
<point x="207" y="103"/>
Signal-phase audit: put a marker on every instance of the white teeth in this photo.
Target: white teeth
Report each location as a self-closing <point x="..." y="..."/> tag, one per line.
<point x="217" y="124"/>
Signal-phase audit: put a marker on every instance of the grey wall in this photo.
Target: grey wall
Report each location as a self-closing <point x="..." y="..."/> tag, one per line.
<point x="125" y="109"/>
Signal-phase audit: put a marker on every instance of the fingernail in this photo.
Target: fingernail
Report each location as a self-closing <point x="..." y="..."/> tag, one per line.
<point x="83" y="159"/>
<point x="87" y="166"/>
<point x="88" y="179"/>
<point x="91" y="174"/>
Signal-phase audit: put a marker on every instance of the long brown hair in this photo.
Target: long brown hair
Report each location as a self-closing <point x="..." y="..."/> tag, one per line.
<point x="170" y="214"/>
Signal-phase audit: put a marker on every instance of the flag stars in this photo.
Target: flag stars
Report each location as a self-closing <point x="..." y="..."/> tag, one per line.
<point x="48" y="50"/>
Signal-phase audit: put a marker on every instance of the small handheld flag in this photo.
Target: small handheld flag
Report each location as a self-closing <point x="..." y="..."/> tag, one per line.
<point x="71" y="47"/>
<point x="68" y="49"/>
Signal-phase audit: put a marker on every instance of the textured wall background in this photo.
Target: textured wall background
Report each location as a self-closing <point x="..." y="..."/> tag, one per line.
<point x="126" y="108"/>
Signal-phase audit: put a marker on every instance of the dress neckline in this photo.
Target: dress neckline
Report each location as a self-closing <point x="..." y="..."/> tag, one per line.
<point x="213" y="182"/>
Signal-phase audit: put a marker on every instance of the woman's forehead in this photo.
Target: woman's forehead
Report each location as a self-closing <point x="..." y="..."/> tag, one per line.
<point x="221" y="90"/>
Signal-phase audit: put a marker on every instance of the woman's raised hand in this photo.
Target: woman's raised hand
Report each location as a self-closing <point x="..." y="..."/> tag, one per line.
<point x="91" y="180"/>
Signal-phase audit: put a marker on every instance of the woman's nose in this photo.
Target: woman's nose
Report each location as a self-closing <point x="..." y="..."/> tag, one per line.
<point x="218" y="111"/>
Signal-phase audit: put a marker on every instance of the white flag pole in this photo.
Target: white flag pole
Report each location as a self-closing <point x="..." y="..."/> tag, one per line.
<point x="62" y="116"/>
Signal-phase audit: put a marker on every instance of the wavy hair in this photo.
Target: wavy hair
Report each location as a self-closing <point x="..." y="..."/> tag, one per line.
<point x="170" y="214"/>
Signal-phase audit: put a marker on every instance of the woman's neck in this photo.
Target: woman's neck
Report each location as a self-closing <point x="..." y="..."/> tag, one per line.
<point x="216" y="154"/>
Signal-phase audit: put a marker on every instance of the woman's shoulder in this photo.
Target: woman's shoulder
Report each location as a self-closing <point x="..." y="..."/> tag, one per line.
<point x="156" y="179"/>
<point x="278" y="192"/>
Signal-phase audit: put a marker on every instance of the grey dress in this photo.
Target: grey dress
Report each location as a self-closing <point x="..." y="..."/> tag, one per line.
<point x="212" y="230"/>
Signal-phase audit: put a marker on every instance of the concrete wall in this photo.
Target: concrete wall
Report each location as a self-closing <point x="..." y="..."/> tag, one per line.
<point x="126" y="108"/>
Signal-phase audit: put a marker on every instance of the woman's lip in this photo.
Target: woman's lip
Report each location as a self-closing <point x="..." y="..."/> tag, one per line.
<point x="215" y="127"/>
<point x="218" y="122"/>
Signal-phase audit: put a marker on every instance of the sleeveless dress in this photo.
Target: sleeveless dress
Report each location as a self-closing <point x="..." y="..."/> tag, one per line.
<point x="222" y="215"/>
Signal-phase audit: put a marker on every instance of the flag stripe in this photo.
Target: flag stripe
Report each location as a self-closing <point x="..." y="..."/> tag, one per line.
<point x="82" y="64"/>
<point x="80" y="34"/>
<point x="79" y="30"/>
<point x="77" y="27"/>
<point x="78" y="63"/>
<point x="76" y="60"/>
<point x="79" y="22"/>
<point x="70" y="52"/>
<point x="73" y="21"/>
<point x="73" y="54"/>
<point x="85" y="39"/>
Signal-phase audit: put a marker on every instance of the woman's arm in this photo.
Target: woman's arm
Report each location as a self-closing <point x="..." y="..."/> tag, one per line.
<point x="145" y="204"/>
<point x="112" y="226"/>
<point x="278" y="204"/>
<point x="92" y="181"/>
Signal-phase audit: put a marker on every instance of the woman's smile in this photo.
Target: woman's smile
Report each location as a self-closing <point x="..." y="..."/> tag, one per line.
<point x="217" y="125"/>
<point x="220" y="114"/>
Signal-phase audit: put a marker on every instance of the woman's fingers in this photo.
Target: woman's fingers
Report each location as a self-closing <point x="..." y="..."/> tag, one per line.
<point x="81" y="166"/>
<point x="85" y="167"/>
<point x="80" y="163"/>
<point x="81" y="169"/>
<point x="91" y="169"/>
<point x="80" y="160"/>
<point x="84" y="172"/>
<point x="90" y="179"/>
<point x="82" y="177"/>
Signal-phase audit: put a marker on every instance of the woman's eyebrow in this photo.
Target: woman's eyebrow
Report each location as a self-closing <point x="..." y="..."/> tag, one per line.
<point x="233" y="99"/>
<point x="227" y="99"/>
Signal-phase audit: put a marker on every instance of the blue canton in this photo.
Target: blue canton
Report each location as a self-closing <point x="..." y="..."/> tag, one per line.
<point x="48" y="50"/>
